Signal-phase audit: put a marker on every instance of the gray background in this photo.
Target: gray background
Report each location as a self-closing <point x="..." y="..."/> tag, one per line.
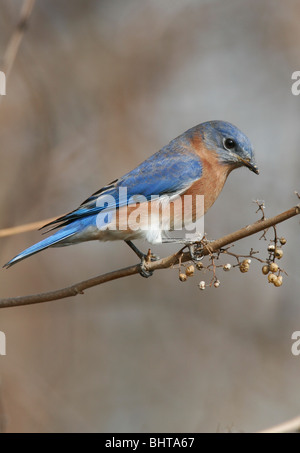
<point x="96" y="88"/>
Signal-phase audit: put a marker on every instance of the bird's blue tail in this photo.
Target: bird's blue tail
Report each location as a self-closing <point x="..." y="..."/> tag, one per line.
<point x="56" y="238"/>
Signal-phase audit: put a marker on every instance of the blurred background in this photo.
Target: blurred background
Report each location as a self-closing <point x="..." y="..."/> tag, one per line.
<point x="97" y="87"/>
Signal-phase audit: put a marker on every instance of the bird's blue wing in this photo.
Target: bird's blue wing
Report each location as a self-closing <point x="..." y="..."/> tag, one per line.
<point x="168" y="172"/>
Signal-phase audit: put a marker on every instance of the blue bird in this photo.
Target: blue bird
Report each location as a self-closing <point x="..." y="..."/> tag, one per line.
<point x="195" y="163"/>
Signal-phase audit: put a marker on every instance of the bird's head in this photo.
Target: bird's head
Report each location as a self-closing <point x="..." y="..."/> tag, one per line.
<point x="231" y="145"/>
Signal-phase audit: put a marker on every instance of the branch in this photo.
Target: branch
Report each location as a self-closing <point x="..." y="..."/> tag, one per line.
<point x="24" y="228"/>
<point x="290" y="426"/>
<point x="163" y="263"/>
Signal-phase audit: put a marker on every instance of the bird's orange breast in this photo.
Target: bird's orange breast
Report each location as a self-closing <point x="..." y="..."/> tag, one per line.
<point x="214" y="175"/>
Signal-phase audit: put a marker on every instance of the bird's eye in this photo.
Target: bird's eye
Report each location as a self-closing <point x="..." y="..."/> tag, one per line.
<point x="229" y="143"/>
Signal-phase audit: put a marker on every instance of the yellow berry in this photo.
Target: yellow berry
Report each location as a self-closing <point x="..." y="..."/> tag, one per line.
<point x="227" y="267"/>
<point x="244" y="267"/>
<point x="273" y="267"/>
<point x="282" y="241"/>
<point x="278" y="253"/>
<point x="278" y="281"/>
<point x="265" y="269"/>
<point x="272" y="278"/>
<point x="202" y="285"/>
<point x="190" y="270"/>
<point x="182" y="277"/>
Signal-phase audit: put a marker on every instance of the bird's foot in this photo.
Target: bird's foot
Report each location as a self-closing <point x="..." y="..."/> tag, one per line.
<point x="196" y="248"/>
<point x="143" y="269"/>
<point x="145" y="259"/>
<point x="196" y="251"/>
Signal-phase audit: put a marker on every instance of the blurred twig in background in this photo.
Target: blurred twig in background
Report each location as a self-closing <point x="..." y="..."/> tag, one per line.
<point x="291" y="426"/>
<point x="16" y="38"/>
<point x="163" y="263"/>
<point x="24" y="228"/>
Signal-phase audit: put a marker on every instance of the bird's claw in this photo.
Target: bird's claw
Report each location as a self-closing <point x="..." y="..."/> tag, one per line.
<point x="144" y="272"/>
<point x="196" y="248"/>
<point x="195" y="252"/>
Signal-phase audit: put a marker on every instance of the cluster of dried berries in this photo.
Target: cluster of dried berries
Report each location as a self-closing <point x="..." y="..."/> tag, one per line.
<point x="189" y="272"/>
<point x="271" y="269"/>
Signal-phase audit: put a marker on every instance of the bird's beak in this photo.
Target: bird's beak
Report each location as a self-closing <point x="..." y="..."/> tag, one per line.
<point x="250" y="164"/>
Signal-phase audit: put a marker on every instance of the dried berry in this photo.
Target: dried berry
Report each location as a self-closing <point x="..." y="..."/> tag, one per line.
<point x="278" y="281"/>
<point x="271" y="248"/>
<point x="282" y="241"/>
<point x="272" y="278"/>
<point x="273" y="267"/>
<point x="199" y="266"/>
<point x="244" y="266"/>
<point x="202" y="285"/>
<point x="227" y="267"/>
<point x="190" y="270"/>
<point x="265" y="269"/>
<point x="182" y="277"/>
<point x="217" y="284"/>
<point x="278" y="253"/>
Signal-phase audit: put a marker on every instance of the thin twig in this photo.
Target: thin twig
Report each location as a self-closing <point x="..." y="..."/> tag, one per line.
<point x="16" y="38"/>
<point x="24" y="228"/>
<point x="163" y="263"/>
<point x="290" y="426"/>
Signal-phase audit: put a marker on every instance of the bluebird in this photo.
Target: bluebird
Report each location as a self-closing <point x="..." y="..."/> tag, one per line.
<point x="195" y="163"/>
